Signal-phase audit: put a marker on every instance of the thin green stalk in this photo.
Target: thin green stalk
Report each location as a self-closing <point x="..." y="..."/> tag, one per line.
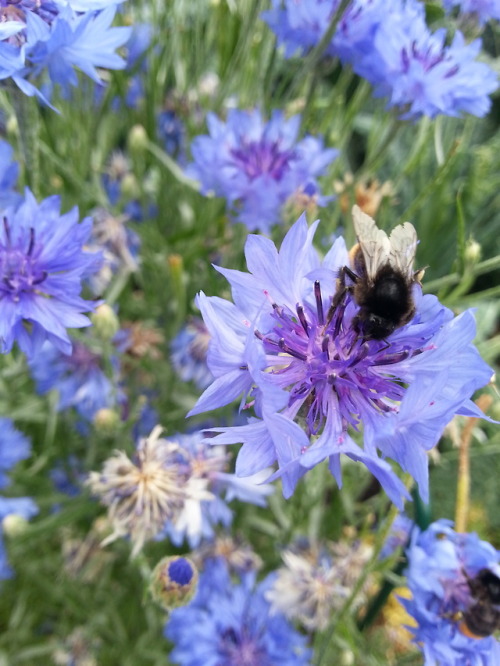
<point x="433" y="183"/>
<point x="479" y="269"/>
<point x="337" y="617"/>
<point x="28" y="121"/>
<point x="315" y="55"/>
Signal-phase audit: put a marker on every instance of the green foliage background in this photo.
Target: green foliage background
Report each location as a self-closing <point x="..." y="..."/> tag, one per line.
<point x="444" y="175"/>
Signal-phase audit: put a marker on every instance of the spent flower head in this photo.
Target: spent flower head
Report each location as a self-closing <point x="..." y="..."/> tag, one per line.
<point x="145" y="492"/>
<point x="441" y="565"/>
<point x="257" y="165"/>
<point x="42" y="265"/>
<point x="316" y="581"/>
<point x="314" y="381"/>
<point x="230" y="624"/>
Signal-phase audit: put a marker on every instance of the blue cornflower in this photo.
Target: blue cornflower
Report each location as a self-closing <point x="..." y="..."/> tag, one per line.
<point x="9" y="172"/>
<point x="395" y="51"/>
<point x="23" y="507"/>
<point x="42" y="264"/>
<point x="230" y="624"/>
<point x="58" y="36"/>
<point x="441" y="565"/>
<point x="14" y="446"/>
<point x="257" y="166"/>
<point x="420" y="74"/>
<point x="77" y="376"/>
<point x="314" y="379"/>
<point x="480" y="10"/>
<point x="189" y="353"/>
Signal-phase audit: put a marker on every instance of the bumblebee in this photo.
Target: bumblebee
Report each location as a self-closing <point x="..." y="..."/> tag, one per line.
<point x="382" y="276"/>
<point x="482" y="618"/>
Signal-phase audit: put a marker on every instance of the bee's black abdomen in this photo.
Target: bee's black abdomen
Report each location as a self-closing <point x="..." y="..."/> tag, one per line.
<point x="389" y="297"/>
<point x="481" y="620"/>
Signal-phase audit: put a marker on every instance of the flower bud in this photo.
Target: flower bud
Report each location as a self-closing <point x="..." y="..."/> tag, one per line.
<point x="13" y="525"/>
<point x="105" y="322"/>
<point x="472" y="252"/>
<point x="173" y="582"/>
<point x="106" y="420"/>
<point x="137" y="138"/>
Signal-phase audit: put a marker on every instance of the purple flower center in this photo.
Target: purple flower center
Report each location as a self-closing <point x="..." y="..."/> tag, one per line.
<point x="239" y="649"/>
<point x="261" y="157"/>
<point x="82" y="359"/>
<point x="425" y="56"/>
<point x="19" y="272"/>
<point x="321" y="357"/>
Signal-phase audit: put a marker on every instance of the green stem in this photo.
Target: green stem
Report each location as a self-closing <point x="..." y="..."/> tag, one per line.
<point x="380" y="540"/>
<point x="28" y="121"/>
<point x="317" y="53"/>
<point x="170" y="164"/>
<point x="378" y="153"/>
<point x="454" y="278"/>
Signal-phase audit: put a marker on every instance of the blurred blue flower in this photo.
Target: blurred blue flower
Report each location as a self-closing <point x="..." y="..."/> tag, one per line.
<point x="198" y="519"/>
<point x="440" y="564"/>
<point x="480" y="10"/>
<point x="118" y="244"/>
<point x="189" y="353"/>
<point x="171" y="133"/>
<point x="395" y="51"/>
<point x="257" y="166"/>
<point x="78" y="377"/>
<point x="314" y="379"/>
<point x="14" y="446"/>
<point x="58" y="36"/>
<point x="68" y="476"/>
<point x="9" y="171"/>
<point x="23" y="507"/>
<point x="42" y="264"/>
<point x="398" y="536"/>
<point x="230" y="624"/>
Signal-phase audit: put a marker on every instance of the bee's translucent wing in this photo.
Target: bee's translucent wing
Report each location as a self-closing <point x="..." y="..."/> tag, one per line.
<point x="374" y="243"/>
<point x="403" y="241"/>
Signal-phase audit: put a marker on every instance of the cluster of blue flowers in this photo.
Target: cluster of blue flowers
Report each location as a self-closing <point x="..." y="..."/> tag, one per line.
<point x="229" y="624"/>
<point x="391" y="46"/>
<point x="314" y="386"/>
<point x="56" y="36"/>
